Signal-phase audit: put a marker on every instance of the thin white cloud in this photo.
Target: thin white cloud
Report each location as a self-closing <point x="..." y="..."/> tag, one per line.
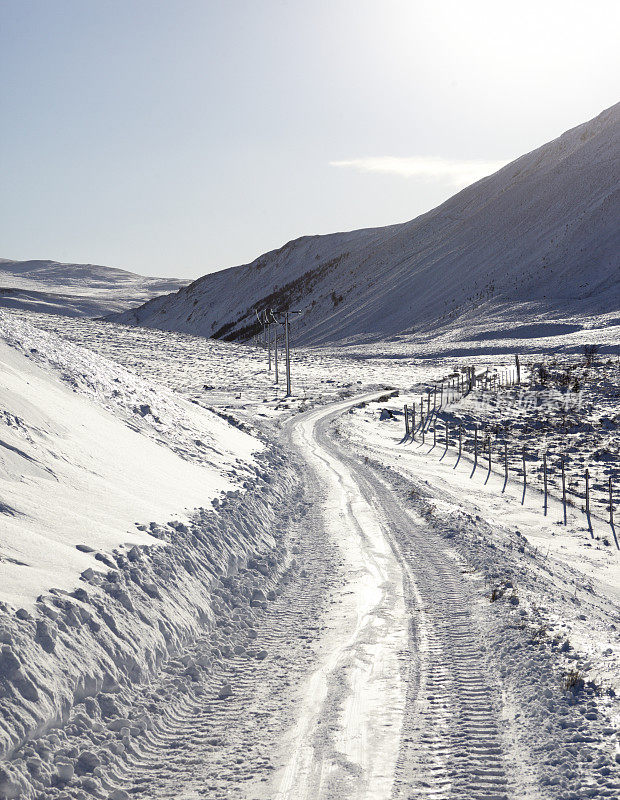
<point x="432" y="168"/>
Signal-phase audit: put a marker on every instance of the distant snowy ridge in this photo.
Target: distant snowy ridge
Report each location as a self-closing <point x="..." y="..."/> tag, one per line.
<point x="541" y="231"/>
<point x="76" y="289"/>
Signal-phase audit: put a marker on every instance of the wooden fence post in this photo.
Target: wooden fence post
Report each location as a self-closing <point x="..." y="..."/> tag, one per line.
<point x="545" y="479"/>
<point x="588" y="503"/>
<point x="413" y="420"/>
<point x="406" y="422"/>
<point x="563" y="488"/>
<point x="475" y="446"/>
<point x="435" y="400"/>
<point x="611" y="504"/>
<point x="447" y="426"/>
<point x="524" y="471"/>
<point x="460" y="440"/>
<point x="506" y="462"/>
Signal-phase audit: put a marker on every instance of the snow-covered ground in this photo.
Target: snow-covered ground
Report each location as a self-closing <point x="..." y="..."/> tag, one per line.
<point x="355" y="615"/>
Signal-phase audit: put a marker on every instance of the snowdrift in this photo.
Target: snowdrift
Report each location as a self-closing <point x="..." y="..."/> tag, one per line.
<point x="76" y="290"/>
<point x="541" y="233"/>
<point x="131" y="521"/>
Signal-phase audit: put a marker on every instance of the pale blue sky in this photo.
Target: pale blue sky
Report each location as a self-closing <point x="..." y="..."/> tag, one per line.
<point x="177" y="138"/>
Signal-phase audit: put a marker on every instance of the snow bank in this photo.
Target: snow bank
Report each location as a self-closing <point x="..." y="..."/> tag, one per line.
<point x="72" y="474"/>
<point x="99" y="588"/>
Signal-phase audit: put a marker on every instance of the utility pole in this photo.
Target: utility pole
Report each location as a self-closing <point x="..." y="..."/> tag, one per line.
<point x="276" y="352"/>
<point x="287" y="348"/>
<point x="261" y="321"/>
<point x="272" y="320"/>
<point x="288" y="355"/>
<point x="268" y="339"/>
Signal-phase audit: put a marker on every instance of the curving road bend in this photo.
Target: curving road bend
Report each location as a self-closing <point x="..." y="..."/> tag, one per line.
<point x="399" y="704"/>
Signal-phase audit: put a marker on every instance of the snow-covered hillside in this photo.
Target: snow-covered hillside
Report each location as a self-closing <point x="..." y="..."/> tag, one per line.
<point x="76" y="290"/>
<point x="541" y="232"/>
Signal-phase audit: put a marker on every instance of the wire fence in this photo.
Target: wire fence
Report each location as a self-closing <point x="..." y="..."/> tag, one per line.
<point x="552" y="472"/>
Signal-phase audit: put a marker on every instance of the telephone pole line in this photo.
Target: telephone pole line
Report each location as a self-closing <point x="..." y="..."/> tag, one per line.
<point x="287" y="346"/>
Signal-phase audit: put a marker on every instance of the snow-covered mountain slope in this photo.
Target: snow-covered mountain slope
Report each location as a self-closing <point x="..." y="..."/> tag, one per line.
<point x="76" y="290"/>
<point x="541" y="231"/>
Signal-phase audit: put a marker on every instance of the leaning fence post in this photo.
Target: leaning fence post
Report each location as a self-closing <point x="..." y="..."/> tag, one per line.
<point x="611" y="504"/>
<point x="475" y="445"/>
<point x="545" y="479"/>
<point x="406" y="422"/>
<point x="588" y="502"/>
<point x="413" y="420"/>
<point x="563" y="488"/>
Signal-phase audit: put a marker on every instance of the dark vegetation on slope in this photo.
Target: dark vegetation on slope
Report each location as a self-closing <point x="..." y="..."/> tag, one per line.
<point x="280" y="300"/>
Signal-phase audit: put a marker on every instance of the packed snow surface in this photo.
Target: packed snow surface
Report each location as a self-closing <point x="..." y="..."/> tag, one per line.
<point x="515" y="255"/>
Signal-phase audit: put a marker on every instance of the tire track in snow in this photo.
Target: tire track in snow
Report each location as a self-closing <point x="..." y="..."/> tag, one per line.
<point x="450" y="745"/>
<point x="345" y="740"/>
<point x="205" y="747"/>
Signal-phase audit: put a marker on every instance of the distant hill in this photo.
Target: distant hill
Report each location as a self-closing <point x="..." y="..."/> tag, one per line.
<point x="76" y="290"/>
<point x="538" y="238"/>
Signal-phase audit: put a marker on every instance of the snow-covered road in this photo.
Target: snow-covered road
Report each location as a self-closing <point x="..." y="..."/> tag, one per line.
<point x="402" y="704"/>
<point x="375" y="682"/>
<point x="346" y="738"/>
